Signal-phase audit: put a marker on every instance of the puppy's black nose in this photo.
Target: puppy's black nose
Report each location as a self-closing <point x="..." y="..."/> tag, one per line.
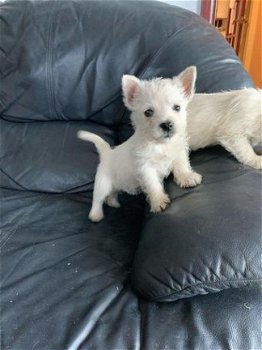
<point x="167" y="126"/>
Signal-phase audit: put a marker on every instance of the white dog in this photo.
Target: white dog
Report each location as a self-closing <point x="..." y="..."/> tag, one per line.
<point x="157" y="148"/>
<point x="232" y="119"/>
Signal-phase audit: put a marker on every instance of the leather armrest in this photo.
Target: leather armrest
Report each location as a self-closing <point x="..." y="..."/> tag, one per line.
<point x="208" y="240"/>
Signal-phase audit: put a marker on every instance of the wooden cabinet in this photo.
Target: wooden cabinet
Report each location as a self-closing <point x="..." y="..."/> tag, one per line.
<point x="251" y="47"/>
<point x="222" y="9"/>
<point x="240" y="22"/>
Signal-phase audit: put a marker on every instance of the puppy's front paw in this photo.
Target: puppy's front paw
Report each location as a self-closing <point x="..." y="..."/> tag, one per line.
<point x="96" y="216"/>
<point x="256" y="163"/>
<point x="159" y="203"/>
<point x="190" y="179"/>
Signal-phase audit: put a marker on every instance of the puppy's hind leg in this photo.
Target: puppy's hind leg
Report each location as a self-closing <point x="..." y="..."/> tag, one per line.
<point x="243" y="151"/>
<point x="112" y="200"/>
<point x="102" y="189"/>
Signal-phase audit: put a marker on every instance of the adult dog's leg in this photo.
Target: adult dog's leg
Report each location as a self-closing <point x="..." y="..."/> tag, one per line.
<point x="240" y="147"/>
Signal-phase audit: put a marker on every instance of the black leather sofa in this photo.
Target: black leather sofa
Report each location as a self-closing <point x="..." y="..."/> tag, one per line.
<point x="188" y="278"/>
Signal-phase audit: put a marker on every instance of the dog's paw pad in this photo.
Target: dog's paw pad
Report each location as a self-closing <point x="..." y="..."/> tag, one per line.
<point x="161" y="204"/>
<point x="191" y="179"/>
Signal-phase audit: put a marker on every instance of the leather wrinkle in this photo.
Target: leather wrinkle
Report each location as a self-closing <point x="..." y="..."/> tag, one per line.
<point x="2" y="18"/>
<point x="73" y="188"/>
<point x="89" y="326"/>
<point x="10" y="178"/>
<point x="159" y="51"/>
<point x="38" y="191"/>
<point x="161" y="282"/>
<point x="49" y="64"/>
<point x="50" y="85"/>
<point x="6" y="237"/>
<point x="35" y="273"/>
<point x="142" y="307"/>
<point x="17" y="262"/>
<point x="108" y="307"/>
<point x="215" y="283"/>
<point x="14" y="101"/>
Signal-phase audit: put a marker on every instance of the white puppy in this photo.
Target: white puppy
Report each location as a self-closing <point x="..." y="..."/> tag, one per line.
<point x="157" y="148"/>
<point x="232" y="119"/>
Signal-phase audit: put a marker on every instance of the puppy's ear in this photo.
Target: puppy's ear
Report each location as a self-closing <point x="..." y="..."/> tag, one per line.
<point x="130" y="86"/>
<point x="188" y="79"/>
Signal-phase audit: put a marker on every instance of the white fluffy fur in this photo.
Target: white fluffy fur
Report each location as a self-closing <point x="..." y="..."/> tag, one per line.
<point x="145" y="159"/>
<point x="232" y="119"/>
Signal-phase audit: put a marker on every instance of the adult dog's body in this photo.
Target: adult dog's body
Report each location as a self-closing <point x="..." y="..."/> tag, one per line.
<point x="232" y="119"/>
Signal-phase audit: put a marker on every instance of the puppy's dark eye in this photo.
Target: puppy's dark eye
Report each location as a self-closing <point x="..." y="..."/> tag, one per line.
<point x="176" y="108"/>
<point x="149" y="113"/>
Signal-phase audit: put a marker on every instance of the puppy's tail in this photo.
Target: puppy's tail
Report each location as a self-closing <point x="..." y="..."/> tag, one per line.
<point x="101" y="145"/>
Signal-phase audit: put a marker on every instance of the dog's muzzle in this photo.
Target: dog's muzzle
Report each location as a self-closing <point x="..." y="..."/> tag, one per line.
<point x="168" y="129"/>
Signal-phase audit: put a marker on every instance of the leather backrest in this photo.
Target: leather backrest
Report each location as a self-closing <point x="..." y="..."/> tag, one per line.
<point x="63" y="60"/>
